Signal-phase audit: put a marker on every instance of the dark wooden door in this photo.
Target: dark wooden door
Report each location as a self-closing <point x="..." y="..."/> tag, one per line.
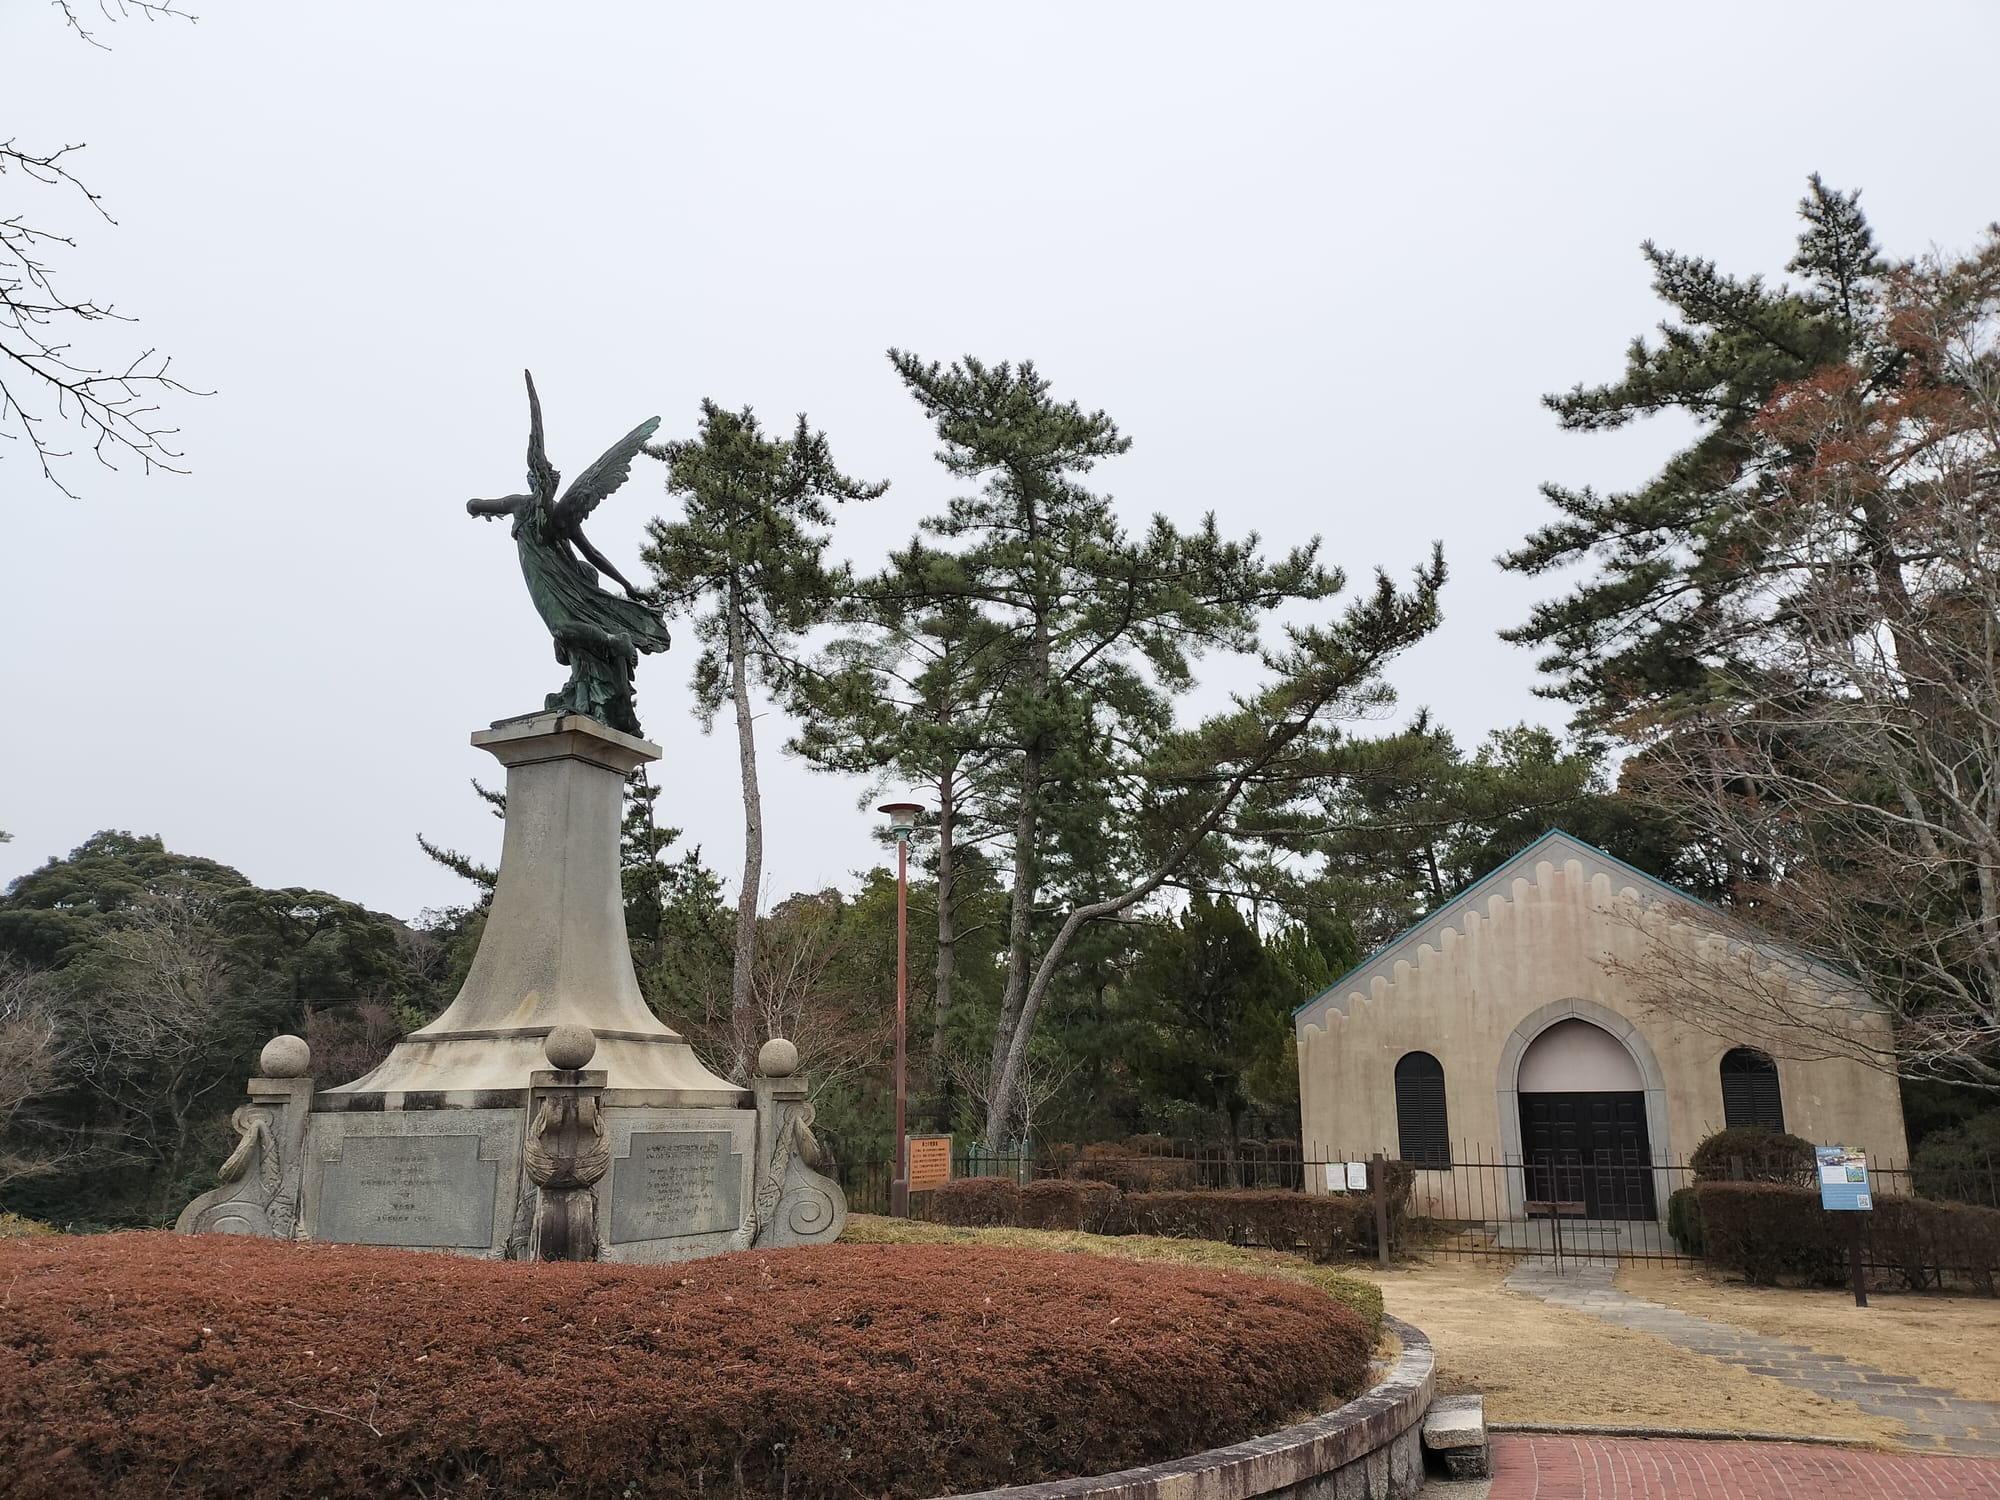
<point x="1587" y="1156"/>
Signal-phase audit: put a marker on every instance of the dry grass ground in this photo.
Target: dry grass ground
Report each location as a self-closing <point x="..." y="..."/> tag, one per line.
<point x="1537" y="1363"/>
<point x="1952" y="1342"/>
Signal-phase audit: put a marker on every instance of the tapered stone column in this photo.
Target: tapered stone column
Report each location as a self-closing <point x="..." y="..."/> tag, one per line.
<point x="554" y="951"/>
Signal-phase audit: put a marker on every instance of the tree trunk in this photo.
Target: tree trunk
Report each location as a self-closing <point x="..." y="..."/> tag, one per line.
<point x="1004" y="1081"/>
<point x="947" y="944"/>
<point x="743" y="987"/>
<point x="1020" y="936"/>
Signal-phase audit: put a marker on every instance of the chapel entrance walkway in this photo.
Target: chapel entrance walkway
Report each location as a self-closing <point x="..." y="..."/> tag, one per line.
<point x="1937" y="1420"/>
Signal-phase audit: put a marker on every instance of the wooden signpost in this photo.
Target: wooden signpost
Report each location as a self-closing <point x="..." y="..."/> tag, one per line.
<point x="930" y="1161"/>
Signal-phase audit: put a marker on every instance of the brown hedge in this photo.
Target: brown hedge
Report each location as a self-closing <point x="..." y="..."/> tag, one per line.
<point x="1772" y="1233"/>
<point x="147" y="1364"/>
<point x="1324" y="1226"/>
<point x="976" y="1203"/>
<point x="1059" y="1203"/>
<point x="1133" y="1171"/>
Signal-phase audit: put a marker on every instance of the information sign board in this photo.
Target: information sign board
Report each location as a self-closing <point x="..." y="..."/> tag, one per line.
<point x="1347" y="1177"/>
<point x="930" y="1161"/>
<point x="1843" y="1178"/>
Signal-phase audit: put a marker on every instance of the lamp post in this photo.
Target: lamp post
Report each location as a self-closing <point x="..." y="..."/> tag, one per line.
<point x="902" y="818"/>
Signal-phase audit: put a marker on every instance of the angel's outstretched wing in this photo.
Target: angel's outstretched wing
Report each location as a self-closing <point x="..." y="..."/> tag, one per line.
<point x="542" y="476"/>
<point x="602" y="477"/>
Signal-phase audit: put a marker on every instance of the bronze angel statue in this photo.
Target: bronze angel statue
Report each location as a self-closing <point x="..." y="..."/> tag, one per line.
<point x="598" y="635"/>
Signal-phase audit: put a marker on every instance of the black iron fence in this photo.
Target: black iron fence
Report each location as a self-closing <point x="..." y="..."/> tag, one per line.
<point x="1564" y="1205"/>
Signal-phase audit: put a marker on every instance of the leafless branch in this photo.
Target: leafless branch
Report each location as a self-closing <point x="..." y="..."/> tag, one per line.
<point x="46" y="381"/>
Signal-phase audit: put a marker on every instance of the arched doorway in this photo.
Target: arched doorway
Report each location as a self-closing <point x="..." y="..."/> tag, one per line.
<point x="1584" y="1143"/>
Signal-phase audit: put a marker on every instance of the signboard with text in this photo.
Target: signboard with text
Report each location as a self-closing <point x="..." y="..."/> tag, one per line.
<point x="930" y="1161"/>
<point x="1347" y="1177"/>
<point x="1843" y="1178"/>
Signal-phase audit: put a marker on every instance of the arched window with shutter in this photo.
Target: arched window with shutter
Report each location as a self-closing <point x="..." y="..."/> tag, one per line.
<point x="1750" y="1089"/>
<point x="1424" y="1135"/>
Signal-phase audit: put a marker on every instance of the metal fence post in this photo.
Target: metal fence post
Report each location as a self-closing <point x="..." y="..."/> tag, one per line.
<point x="1378" y="1177"/>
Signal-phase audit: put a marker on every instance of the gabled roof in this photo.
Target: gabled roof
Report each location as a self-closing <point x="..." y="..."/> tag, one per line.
<point x="1557" y="848"/>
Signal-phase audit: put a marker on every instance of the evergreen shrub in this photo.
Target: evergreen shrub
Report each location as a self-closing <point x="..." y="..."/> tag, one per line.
<point x="1962" y="1162"/>
<point x="139" y="1365"/>
<point x="1772" y="1233"/>
<point x="1684" y="1220"/>
<point x="1767" y="1155"/>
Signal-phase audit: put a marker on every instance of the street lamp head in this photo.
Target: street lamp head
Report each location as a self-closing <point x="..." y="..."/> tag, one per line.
<point x="902" y="817"/>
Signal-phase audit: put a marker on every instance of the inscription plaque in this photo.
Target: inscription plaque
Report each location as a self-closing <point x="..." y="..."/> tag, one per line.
<point x="929" y="1161"/>
<point x="676" y="1182"/>
<point x="408" y="1190"/>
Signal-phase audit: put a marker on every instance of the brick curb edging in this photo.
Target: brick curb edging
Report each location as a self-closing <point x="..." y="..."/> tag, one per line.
<point x="1682" y="1434"/>
<point x="1363" y="1432"/>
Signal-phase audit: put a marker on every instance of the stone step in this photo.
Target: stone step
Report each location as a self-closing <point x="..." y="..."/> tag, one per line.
<point x="1455" y="1430"/>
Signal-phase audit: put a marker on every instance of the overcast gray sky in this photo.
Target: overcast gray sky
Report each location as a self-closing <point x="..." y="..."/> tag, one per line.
<point x="1319" y="261"/>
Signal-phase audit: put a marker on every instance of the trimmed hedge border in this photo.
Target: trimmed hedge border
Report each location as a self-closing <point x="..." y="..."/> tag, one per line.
<point x="1325" y="1226"/>
<point x="1772" y="1233"/>
<point x="1371" y="1446"/>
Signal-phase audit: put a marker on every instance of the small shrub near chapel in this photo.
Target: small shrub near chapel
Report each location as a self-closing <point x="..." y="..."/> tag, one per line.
<point x="1684" y="1219"/>
<point x="140" y="1365"/>
<point x="1766" y="1156"/>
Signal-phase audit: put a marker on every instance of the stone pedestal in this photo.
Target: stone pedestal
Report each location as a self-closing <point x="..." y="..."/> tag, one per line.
<point x="554" y="951"/>
<point x="484" y="1133"/>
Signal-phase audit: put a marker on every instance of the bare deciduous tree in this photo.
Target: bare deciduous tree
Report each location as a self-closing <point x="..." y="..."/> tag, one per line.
<point x="146" y="1035"/>
<point x="798" y="991"/>
<point x="31" y="1063"/>
<point x="1043" y="1075"/>
<point x="44" y="374"/>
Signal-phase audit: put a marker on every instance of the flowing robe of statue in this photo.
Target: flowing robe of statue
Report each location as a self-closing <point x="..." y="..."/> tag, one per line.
<point x="598" y="635"/>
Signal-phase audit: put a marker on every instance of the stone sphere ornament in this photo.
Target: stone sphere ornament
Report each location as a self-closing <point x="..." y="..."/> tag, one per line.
<point x="570" y="1046"/>
<point x="284" y="1057"/>
<point x="778" y="1058"/>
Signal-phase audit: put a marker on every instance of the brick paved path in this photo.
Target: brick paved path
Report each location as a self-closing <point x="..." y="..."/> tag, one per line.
<point x="1935" y="1418"/>
<point x="1575" y="1468"/>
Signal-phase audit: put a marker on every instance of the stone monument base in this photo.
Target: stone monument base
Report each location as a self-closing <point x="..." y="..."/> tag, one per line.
<point x="565" y="1169"/>
<point x="488" y="1132"/>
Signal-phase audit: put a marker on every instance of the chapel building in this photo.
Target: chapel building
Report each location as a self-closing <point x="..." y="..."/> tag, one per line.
<point x="1527" y="1025"/>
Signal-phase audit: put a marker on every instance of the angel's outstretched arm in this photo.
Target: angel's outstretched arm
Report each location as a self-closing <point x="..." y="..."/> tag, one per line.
<point x="506" y="505"/>
<point x="600" y="562"/>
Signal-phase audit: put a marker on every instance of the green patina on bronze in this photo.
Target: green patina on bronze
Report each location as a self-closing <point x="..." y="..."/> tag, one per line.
<point x="598" y="635"/>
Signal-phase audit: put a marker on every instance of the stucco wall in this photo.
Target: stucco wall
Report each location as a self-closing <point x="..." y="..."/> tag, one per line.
<point x="1475" y="987"/>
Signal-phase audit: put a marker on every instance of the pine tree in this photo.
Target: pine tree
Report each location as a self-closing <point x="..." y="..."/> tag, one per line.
<point x="1210" y="1009"/>
<point x="1677" y="555"/>
<point x="1107" y="799"/>
<point x="1795" y="623"/>
<point x="746" y="562"/>
<point x="906" y="698"/>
